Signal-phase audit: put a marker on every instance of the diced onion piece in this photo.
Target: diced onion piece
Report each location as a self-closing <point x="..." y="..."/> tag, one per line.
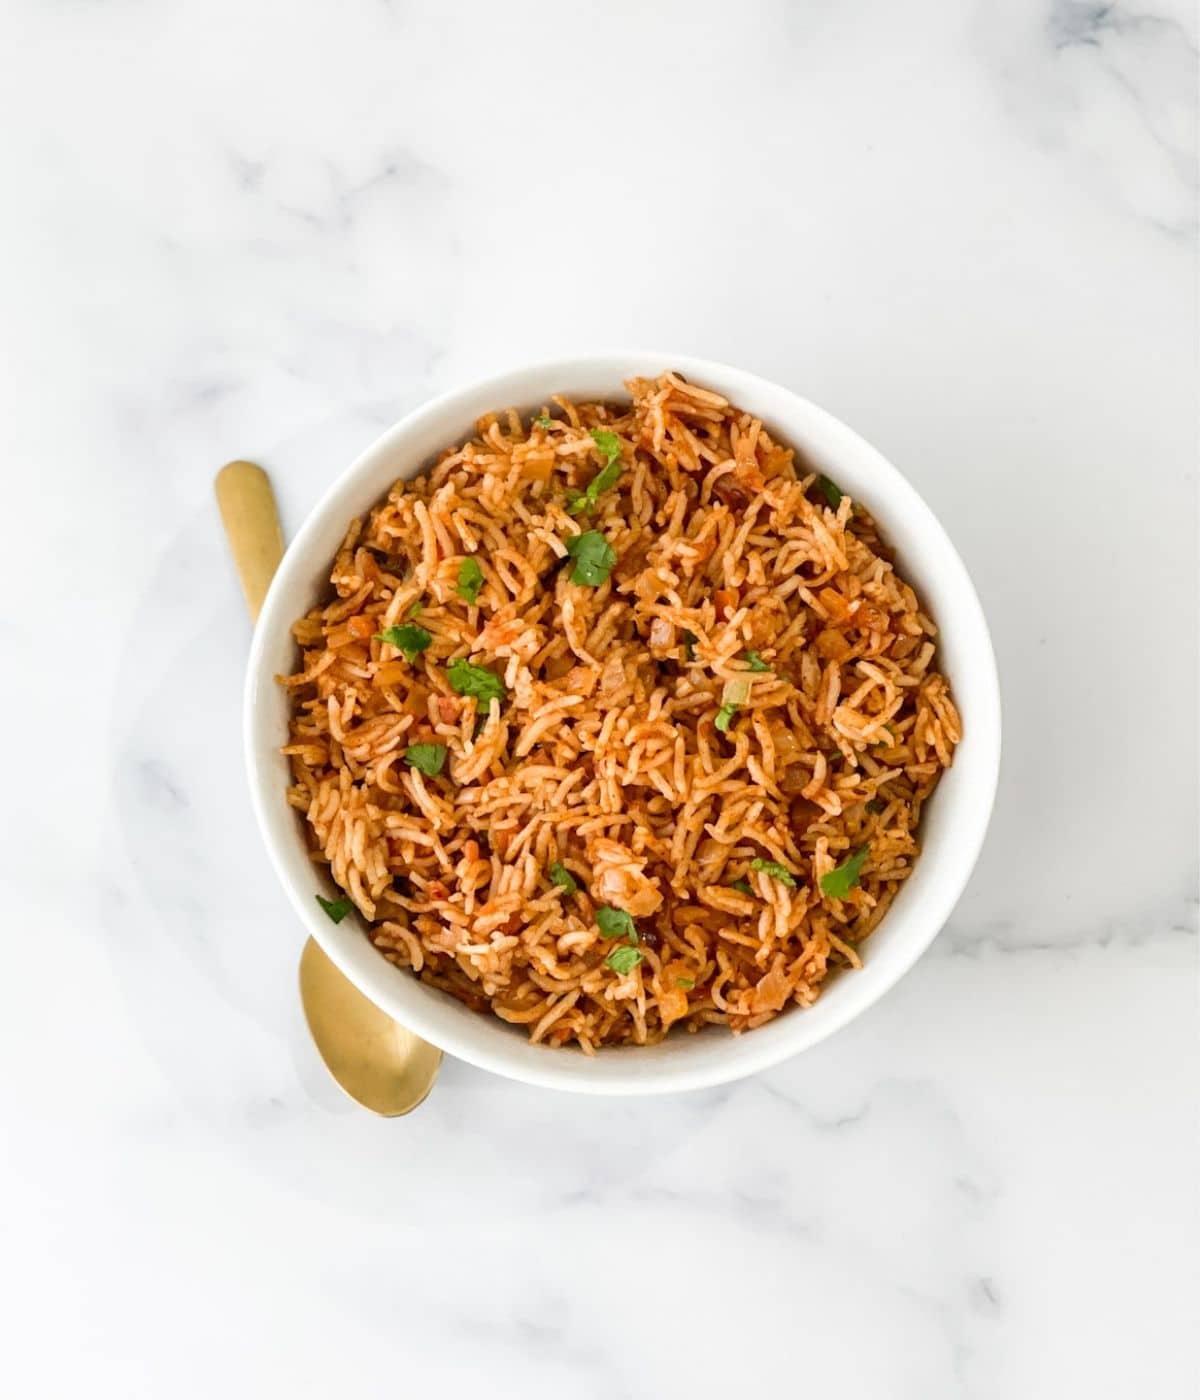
<point x="736" y="692"/>
<point x="448" y="707"/>
<point x="672" y="1005"/>
<point x="788" y="748"/>
<point x="612" y="678"/>
<point x="770" y="994"/>
<point x="581" y="680"/>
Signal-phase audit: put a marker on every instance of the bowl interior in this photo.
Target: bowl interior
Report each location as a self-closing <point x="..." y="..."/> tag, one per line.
<point x="954" y="821"/>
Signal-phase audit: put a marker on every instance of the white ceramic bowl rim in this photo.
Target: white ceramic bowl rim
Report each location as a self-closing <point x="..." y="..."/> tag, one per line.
<point x="954" y="823"/>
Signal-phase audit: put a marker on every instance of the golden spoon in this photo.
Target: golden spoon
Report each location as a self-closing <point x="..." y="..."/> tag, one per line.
<point x="379" y="1063"/>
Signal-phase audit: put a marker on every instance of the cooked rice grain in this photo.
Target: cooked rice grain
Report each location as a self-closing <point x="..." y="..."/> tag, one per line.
<point x="605" y="756"/>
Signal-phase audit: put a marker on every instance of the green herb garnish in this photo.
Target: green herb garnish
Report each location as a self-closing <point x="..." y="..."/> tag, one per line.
<point x="606" y="477"/>
<point x="685" y="982"/>
<point x="593" y="556"/>
<point x="414" y="609"/>
<point x="754" y="661"/>
<point x="743" y="885"/>
<point x="615" y="923"/>
<point x="689" y="645"/>
<point x="544" y="420"/>
<point x="478" y="681"/>
<point x="830" y="491"/>
<point x="562" y="877"/>
<point x="838" y="883"/>
<point x="609" y="444"/>
<point x="775" y="871"/>
<point x="623" y="959"/>
<point x="725" y="717"/>
<point x="408" y="638"/>
<point x="337" y="909"/>
<point x="426" y="758"/>
<point x="470" y="579"/>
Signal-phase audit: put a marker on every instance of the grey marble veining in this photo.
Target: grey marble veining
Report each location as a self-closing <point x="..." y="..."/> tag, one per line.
<point x="269" y="230"/>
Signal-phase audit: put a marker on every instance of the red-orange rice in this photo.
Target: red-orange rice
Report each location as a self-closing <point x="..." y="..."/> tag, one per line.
<point x="744" y="590"/>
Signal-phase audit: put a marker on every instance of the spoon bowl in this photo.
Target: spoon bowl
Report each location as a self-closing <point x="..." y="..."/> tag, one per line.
<point x="375" y="1060"/>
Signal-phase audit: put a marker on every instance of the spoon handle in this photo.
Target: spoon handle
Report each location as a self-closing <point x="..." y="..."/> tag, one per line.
<point x="251" y="521"/>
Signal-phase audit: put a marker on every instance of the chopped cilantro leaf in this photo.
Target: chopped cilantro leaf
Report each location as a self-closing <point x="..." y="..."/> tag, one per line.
<point x="414" y="609"/>
<point x="754" y="661"/>
<point x="578" y="502"/>
<point x="775" y="871"/>
<point x="478" y="681"/>
<point x="606" y="478"/>
<point x="562" y="877"/>
<point x="544" y="420"/>
<point x="830" y="491"/>
<point x="685" y="982"/>
<point x="623" y="959"/>
<point x="725" y="717"/>
<point x="470" y="579"/>
<point x="743" y="885"/>
<point x="337" y="909"/>
<point x="608" y="443"/>
<point x="426" y="758"/>
<point x="408" y="638"/>
<point x="616" y="923"/>
<point x="593" y="556"/>
<point x="839" y="881"/>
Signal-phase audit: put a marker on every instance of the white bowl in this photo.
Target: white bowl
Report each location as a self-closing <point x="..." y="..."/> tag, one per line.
<point x="955" y="819"/>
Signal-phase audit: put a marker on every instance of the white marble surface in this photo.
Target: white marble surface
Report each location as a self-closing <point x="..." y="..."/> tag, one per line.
<point x="267" y="229"/>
